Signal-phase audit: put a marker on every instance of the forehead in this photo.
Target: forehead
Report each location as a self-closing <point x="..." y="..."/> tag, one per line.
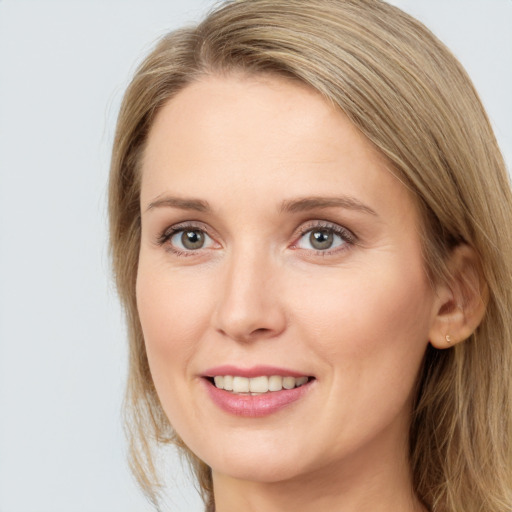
<point x="260" y="137"/>
<point x="244" y="112"/>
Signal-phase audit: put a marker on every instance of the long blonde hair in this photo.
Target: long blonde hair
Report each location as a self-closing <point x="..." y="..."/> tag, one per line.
<point x="408" y="95"/>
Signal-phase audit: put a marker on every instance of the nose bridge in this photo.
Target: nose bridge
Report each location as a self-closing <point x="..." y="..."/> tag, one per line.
<point x="249" y="306"/>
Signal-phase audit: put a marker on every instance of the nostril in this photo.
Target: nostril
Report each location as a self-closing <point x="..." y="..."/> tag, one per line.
<point x="261" y="330"/>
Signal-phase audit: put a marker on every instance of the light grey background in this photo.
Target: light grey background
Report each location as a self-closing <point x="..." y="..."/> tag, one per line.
<point x="63" y="67"/>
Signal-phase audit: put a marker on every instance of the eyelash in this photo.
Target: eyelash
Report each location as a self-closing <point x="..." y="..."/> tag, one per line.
<point x="169" y="232"/>
<point x="346" y="236"/>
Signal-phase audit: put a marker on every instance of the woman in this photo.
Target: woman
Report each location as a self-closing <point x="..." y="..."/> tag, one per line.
<point x="311" y="234"/>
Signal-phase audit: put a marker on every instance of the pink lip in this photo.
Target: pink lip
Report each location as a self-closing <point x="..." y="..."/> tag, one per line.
<point x="253" y="406"/>
<point x="254" y="371"/>
<point x="258" y="405"/>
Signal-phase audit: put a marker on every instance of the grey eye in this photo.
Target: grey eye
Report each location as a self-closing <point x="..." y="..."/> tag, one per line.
<point x="321" y="239"/>
<point x="191" y="240"/>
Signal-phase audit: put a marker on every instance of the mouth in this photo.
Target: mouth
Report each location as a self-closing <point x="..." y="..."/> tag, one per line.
<point x="257" y="391"/>
<point x="258" y="385"/>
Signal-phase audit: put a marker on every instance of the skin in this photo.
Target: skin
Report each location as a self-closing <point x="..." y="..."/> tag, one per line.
<point x="357" y="316"/>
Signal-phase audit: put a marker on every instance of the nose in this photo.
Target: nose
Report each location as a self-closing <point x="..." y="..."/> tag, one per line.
<point x="250" y="306"/>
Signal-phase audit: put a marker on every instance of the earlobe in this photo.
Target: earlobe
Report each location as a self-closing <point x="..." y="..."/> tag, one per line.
<point x="461" y="302"/>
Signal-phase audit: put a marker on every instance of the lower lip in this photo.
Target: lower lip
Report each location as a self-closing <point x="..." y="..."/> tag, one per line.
<point x="255" y="406"/>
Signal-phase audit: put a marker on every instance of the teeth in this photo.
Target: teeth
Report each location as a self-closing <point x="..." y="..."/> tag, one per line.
<point x="228" y="383"/>
<point x="240" y="385"/>
<point x="275" y="383"/>
<point x="257" y="385"/>
<point x="301" y="381"/>
<point x="289" y="382"/>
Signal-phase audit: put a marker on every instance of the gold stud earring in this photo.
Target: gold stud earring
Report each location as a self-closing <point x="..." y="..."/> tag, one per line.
<point x="448" y="339"/>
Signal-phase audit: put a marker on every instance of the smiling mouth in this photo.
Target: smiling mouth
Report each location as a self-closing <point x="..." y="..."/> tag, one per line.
<point x="257" y="385"/>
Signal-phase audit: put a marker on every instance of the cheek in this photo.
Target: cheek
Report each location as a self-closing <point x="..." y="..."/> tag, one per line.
<point x="355" y="319"/>
<point x="169" y="309"/>
<point x="372" y="334"/>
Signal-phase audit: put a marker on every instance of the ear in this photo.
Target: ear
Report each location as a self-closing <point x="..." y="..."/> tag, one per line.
<point x="461" y="302"/>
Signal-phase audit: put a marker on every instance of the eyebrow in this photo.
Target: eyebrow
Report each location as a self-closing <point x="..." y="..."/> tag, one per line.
<point x="197" y="205"/>
<point x="312" y="203"/>
<point x="289" y="206"/>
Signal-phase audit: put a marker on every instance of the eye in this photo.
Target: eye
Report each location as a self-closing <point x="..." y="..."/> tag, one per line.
<point x="182" y="239"/>
<point x="190" y="239"/>
<point x="320" y="240"/>
<point x="324" y="238"/>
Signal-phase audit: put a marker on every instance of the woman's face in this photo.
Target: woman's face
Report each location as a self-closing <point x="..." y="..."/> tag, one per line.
<point x="278" y="248"/>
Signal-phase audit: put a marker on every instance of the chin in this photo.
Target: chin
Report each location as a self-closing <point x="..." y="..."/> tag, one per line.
<point x="263" y="462"/>
<point x="261" y="471"/>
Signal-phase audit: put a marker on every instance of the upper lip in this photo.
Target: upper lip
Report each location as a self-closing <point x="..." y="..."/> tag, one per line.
<point x="253" y="371"/>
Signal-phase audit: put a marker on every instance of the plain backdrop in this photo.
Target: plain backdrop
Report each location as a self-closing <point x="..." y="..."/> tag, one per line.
<point x="63" y="68"/>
